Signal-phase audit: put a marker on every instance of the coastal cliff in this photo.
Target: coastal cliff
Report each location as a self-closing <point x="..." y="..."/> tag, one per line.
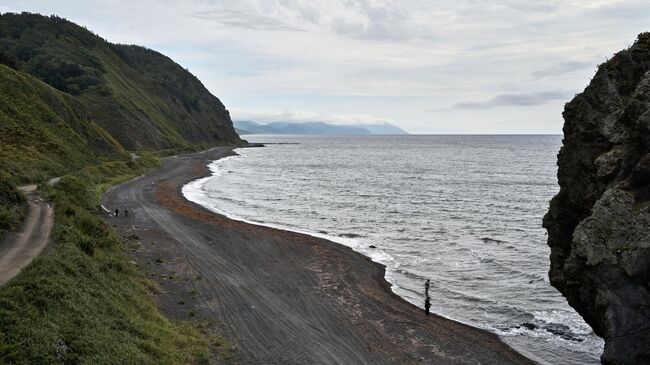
<point x="142" y="98"/>
<point x="599" y="223"/>
<point x="93" y="114"/>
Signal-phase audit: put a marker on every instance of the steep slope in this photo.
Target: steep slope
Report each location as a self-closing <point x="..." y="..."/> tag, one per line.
<point x="599" y="223"/>
<point x="84" y="301"/>
<point x="44" y="132"/>
<point x="139" y="96"/>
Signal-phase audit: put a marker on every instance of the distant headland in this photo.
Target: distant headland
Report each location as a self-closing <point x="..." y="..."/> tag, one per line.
<point x="250" y="127"/>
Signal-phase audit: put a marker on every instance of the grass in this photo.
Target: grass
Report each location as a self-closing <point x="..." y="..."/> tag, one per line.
<point x="83" y="303"/>
<point x="42" y="132"/>
<point x="142" y="98"/>
<point x="69" y="103"/>
<point x="12" y="207"/>
<point x="70" y="307"/>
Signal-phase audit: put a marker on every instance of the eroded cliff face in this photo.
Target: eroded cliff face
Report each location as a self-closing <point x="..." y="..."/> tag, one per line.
<point x="599" y="223"/>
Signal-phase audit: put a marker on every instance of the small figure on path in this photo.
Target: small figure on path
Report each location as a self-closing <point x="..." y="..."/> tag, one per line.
<point x="426" y="288"/>
<point x="117" y="212"/>
<point x="427" y="305"/>
<point x="126" y="212"/>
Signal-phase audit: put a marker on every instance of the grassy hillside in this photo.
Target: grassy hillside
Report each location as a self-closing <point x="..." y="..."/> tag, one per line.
<point x="13" y="207"/>
<point x="84" y="302"/>
<point x="44" y="132"/>
<point x="141" y="97"/>
<point x="69" y="105"/>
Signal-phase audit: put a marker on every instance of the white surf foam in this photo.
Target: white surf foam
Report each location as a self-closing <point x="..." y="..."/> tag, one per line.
<point x="195" y="192"/>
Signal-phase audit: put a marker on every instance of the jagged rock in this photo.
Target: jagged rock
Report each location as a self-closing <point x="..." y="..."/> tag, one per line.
<point x="529" y="325"/>
<point x="599" y="222"/>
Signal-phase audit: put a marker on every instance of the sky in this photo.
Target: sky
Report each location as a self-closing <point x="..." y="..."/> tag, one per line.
<point x="462" y="66"/>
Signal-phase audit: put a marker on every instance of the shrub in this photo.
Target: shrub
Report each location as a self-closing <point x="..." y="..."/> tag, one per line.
<point x="83" y="303"/>
<point x="13" y="206"/>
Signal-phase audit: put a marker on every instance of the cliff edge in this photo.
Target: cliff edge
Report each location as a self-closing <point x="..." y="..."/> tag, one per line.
<point x="599" y="223"/>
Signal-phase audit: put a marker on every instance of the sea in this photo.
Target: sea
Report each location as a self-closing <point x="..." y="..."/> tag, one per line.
<point x="462" y="210"/>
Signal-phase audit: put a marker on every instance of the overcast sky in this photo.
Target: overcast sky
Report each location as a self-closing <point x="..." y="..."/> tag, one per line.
<point x="462" y="66"/>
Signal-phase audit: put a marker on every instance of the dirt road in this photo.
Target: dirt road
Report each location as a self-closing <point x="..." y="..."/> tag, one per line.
<point x="18" y="249"/>
<point x="280" y="297"/>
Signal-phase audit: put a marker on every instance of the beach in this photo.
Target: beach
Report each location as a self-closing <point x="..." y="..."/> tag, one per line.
<point x="278" y="296"/>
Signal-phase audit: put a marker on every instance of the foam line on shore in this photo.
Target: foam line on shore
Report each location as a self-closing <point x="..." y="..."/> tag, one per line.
<point x="194" y="192"/>
<point x="339" y="308"/>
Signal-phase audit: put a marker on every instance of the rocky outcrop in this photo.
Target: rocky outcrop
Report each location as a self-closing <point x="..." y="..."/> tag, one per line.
<point x="599" y="222"/>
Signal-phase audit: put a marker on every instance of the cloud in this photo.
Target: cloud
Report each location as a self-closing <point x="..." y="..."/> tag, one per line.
<point x="376" y="20"/>
<point x="382" y="22"/>
<point x="519" y="99"/>
<point x="533" y="6"/>
<point x="305" y="10"/>
<point x="301" y="116"/>
<point x="359" y="59"/>
<point x="244" y="19"/>
<point x="563" y="68"/>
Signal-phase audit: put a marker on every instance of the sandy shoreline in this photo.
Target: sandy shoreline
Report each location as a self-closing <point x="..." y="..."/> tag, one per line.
<point x="279" y="296"/>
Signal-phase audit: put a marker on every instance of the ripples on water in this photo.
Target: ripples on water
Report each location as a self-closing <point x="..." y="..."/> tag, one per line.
<point x="464" y="211"/>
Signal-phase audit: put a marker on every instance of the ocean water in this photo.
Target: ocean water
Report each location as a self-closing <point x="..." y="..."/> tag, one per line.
<point x="464" y="211"/>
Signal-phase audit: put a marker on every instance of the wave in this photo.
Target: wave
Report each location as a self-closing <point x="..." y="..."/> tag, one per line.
<point x="482" y="249"/>
<point x="195" y="192"/>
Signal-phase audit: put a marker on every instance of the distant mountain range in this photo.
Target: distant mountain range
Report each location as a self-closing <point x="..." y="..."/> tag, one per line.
<point x="250" y="127"/>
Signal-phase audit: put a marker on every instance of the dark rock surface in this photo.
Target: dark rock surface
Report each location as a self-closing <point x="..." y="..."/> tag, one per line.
<point x="599" y="223"/>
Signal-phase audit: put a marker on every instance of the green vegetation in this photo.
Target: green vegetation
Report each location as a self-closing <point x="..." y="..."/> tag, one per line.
<point x="12" y="207"/>
<point x="43" y="133"/>
<point x="69" y="104"/>
<point x="141" y="97"/>
<point x="84" y="302"/>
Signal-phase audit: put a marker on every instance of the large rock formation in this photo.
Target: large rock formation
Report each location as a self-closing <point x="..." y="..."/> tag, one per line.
<point x="599" y="223"/>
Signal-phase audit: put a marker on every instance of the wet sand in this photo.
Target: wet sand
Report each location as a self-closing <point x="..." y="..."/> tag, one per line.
<point x="279" y="297"/>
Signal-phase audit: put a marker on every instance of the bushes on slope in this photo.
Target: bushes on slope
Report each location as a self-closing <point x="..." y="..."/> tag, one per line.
<point x="84" y="302"/>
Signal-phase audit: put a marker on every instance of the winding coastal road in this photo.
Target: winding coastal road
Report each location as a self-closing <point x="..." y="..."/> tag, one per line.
<point x="280" y="297"/>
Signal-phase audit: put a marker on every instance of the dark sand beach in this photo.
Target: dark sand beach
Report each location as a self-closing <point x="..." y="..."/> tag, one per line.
<point x="279" y="297"/>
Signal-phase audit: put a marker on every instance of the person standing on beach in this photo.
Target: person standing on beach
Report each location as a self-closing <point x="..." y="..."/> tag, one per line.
<point x="427" y="305"/>
<point x="426" y="288"/>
